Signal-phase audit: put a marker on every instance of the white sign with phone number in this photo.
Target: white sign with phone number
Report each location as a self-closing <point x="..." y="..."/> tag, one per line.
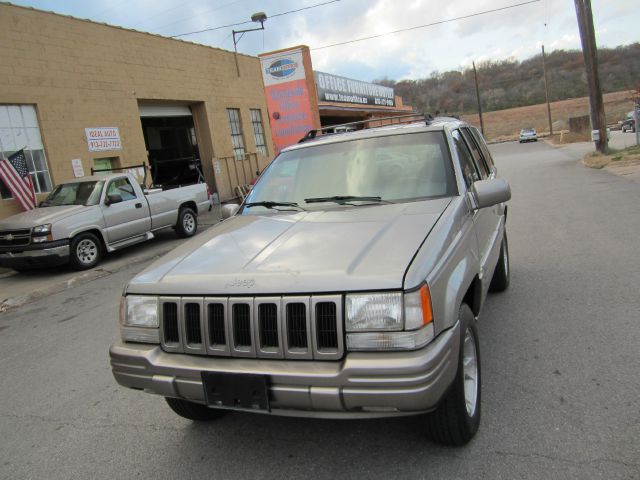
<point x="103" y="138"/>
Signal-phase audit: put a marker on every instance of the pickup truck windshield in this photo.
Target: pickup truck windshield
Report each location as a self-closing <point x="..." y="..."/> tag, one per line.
<point x="395" y="168"/>
<point x="77" y="193"/>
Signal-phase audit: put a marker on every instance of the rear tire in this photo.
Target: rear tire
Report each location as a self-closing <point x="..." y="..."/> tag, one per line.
<point x="194" y="411"/>
<point x="187" y="224"/>
<point x="85" y="251"/>
<point x="500" y="280"/>
<point x="457" y="418"/>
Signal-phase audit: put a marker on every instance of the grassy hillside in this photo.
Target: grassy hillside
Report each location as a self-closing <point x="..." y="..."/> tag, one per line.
<point x="506" y="124"/>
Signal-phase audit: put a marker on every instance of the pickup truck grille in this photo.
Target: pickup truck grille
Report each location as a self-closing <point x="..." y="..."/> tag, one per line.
<point x="296" y="327"/>
<point x="15" y="238"/>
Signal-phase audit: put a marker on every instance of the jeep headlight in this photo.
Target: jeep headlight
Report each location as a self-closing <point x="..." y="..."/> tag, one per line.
<point x="374" y="312"/>
<point x="389" y="321"/>
<point x="139" y="319"/>
<point x="140" y="311"/>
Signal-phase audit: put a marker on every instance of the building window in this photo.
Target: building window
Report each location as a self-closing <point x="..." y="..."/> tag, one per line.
<point x="236" y="133"/>
<point x="19" y="130"/>
<point x="258" y="131"/>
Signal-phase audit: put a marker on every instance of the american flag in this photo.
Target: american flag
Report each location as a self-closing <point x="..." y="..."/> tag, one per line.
<point x="15" y="175"/>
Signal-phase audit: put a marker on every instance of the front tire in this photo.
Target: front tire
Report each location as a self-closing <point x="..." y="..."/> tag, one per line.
<point x="187" y="224"/>
<point x="500" y="280"/>
<point x="457" y="418"/>
<point x="85" y="251"/>
<point x="194" y="411"/>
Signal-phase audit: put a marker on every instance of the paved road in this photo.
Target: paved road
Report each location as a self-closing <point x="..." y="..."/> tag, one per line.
<point x="560" y="365"/>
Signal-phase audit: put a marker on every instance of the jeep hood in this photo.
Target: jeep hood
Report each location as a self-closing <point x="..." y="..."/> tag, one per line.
<point x="342" y="249"/>
<point x="38" y="216"/>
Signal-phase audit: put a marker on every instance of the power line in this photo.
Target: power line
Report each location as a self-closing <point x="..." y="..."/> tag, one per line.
<point x="427" y="25"/>
<point x="249" y="21"/>
<point x="219" y="7"/>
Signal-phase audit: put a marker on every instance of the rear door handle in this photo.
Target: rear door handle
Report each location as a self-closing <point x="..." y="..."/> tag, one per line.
<point x="138" y="205"/>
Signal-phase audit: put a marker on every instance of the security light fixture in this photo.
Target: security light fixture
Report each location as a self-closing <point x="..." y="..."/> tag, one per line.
<point x="258" y="17"/>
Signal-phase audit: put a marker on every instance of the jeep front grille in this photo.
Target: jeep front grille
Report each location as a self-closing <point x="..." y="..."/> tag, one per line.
<point x="170" y="322"/>
<point x="256" y="327"/>
<point x="241" y="325"/>
<point x="268" y="325"/>
<point x="326" y="325"/>
<point x="192" y="323"/>
<point x="15" y="238"/>
<point x="297" y="325"/>
<point x="215" y="317"/>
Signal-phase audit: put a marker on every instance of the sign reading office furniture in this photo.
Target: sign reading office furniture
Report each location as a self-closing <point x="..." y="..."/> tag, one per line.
<point x="333" y="88"/>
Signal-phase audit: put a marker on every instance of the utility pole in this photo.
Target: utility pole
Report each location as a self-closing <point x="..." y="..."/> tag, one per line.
<point x="475" y="75"/>
<point x="546" y="91"/>
<point x="590" y="54"/>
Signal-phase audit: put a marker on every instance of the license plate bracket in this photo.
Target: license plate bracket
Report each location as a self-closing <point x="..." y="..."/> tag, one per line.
<point x="242" y="391"/>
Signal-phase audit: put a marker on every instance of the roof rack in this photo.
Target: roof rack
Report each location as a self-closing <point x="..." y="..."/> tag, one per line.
<point x="427" y="118"/>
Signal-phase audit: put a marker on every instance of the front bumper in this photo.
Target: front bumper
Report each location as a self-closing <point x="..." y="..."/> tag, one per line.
<point x="40" y="255"/>
<point x="360" y="385"/>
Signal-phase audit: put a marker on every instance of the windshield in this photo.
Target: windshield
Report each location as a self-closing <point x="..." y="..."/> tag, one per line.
<point x="395" y="168"/>
<point x="80" y="193"/>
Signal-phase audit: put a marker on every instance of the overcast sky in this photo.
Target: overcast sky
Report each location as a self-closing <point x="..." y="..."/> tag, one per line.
<point x="512" y="33"/>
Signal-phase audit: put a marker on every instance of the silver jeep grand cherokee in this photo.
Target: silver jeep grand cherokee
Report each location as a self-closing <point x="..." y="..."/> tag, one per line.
<point x="347" y="285"/>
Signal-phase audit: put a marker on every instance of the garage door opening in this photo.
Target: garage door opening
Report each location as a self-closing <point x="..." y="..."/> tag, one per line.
<point x="172" y="144"/>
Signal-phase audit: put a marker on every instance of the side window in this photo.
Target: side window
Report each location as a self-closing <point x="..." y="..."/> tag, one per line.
<point x="122" y="187"/>
<point x="478" y="156"/>
<point x="483" y="146"/>
<point x="237" y="138"/>
<point x="469" y="169"/>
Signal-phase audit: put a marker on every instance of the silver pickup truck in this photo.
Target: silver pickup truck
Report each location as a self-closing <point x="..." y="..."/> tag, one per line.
<point x="347" y="285"/>
<point x="83" y="218"/>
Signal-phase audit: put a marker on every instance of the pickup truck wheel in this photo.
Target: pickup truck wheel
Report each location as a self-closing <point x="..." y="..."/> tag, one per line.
<point x="457" y="417"/>
<point x="194" y="411"/>
<point x="500" y="280"/>
<point x="187" y="223"/>
<point x="85" y="251"/>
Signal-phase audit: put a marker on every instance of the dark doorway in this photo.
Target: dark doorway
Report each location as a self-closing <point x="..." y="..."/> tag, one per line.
<point x="172" y="146"/>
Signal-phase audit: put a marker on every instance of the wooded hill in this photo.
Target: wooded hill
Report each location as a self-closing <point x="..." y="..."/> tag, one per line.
<point x="511" y="83"/>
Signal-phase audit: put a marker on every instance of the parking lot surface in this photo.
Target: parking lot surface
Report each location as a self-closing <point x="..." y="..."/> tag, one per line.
<point x="559" y="361"/>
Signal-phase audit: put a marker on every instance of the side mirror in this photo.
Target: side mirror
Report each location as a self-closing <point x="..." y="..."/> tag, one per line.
<point x="113" y="198"/>
<point x="493" y="191"/>
<point x="229" y="210"/>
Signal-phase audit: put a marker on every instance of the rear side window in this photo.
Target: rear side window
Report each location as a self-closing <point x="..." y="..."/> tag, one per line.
<point x="478" y="157"/>
<point x="469" y="169"/>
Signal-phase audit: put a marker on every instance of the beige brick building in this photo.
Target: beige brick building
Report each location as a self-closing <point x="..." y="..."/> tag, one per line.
<point x="77" y="92"/>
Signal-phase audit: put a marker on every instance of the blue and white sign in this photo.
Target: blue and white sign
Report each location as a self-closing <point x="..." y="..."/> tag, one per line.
<point x="282" y="67"/>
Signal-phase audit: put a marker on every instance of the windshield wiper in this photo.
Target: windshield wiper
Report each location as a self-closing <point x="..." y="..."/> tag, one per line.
<point x="345" y="199"/>
<point x="269" y="204"/>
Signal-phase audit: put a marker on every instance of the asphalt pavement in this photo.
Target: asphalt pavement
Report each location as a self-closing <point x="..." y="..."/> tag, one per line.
<point x="559" y="362"/>
<point x="17" y="289"/>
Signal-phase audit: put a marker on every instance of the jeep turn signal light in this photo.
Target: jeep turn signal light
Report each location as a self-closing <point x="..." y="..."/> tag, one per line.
<point x="425" y="298"/>
<point x="417" y="308"/>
